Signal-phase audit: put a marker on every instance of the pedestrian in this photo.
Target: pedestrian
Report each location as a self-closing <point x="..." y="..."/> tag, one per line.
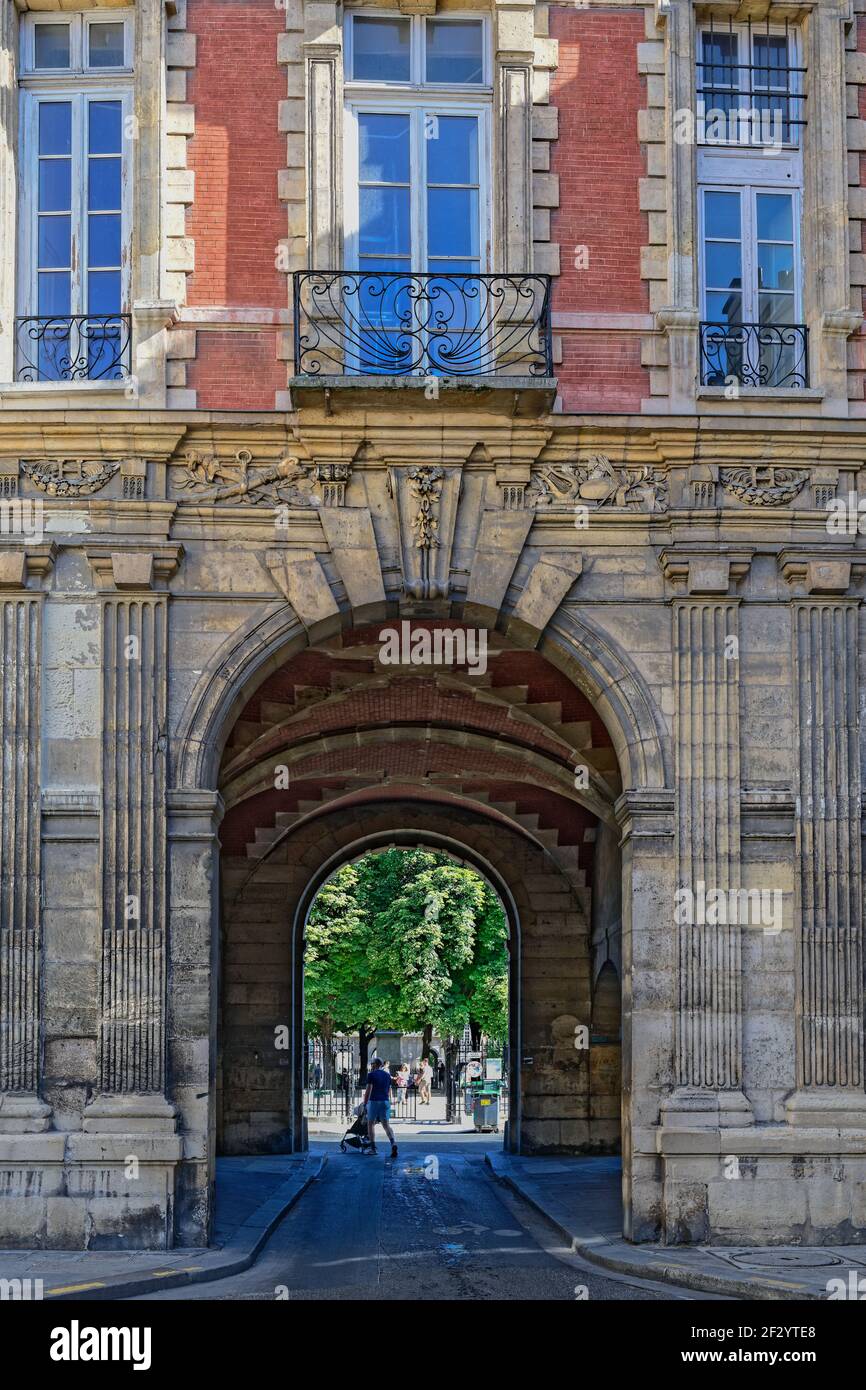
<point x="378" y="1103"/>
<point x="317" y="1076"/>
<point x="424" y="1078"/>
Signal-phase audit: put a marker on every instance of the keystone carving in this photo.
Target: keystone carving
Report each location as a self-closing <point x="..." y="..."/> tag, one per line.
<point x="598" y="482"/>
<point x="69" y="477"/>
<point x="425" y="499"/>
<point x="763" y="485"/>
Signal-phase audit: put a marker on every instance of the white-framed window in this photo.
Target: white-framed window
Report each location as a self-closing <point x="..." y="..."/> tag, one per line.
<point x="749" y="85"/>
<point x="417" y="143"/>
<point x="419" y="50"/>
<point x="75" y="233"/>
<point x="749" y="219"/>
<point x="750" y="242"/>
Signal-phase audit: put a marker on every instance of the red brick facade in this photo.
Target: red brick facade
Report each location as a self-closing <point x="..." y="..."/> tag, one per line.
<point x="237" y="220"/>
<point x="599" y="226"/>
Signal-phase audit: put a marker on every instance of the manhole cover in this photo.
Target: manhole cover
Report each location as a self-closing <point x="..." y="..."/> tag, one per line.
<point x="779" y="1259"/>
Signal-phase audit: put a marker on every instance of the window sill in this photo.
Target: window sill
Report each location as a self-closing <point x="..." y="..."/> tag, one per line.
<point x="760" y="393"/>
<point x="66" y="395"/>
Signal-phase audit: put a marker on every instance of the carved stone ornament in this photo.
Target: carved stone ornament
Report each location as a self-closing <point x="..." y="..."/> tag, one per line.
<point x="600" y="483"/>
<point x="763" y="485"/>
<point x="291" y="481"/>
<point x="425" y="499"/>
<point x="69" y="477"/>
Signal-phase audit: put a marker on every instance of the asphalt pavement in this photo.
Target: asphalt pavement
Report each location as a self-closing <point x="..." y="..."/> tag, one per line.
<point x="432" y="1224"/>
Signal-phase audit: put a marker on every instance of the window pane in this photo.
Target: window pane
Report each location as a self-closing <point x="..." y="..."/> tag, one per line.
<point x="53" y="293"/>
<point x="452" y="222"/>
<point x="380" y="49"/>
<point x="723" y="264"/>
<point x="104" y="127"/>
<point x="103" y="292"/>
<point x="455" y="51"/>
<point x="52" y="46"/>
<point x="720" y="59"/>
<point x="776" y="308"/>
<point x="55" y="242"/>
<point x="55" y="185"/>
<point x="106" y="45"/>
<point x="775" y="267"/>
<point x="384" y="148"/>
<point x="771" y="60"/>
<point x="724" y="308"/>
<point x="103" y="185"/>
<point x="722" y="215"/>
<point x="103" y="240"/>
<point x="384" y="229"/>
<point x="775" y="217"/>
<point x="452" y="149"/>
<point x="55" y="127"/>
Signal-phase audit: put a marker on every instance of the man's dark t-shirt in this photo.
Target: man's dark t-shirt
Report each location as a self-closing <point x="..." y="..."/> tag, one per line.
<point x="379" y="1081"/>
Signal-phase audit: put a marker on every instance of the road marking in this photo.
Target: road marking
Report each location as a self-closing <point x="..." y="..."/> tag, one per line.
<point x="76" y="1288"/>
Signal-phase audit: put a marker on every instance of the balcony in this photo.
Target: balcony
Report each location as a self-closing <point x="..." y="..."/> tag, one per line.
<point x="73" y="347"/>
<point x="766" y="356"/>
<point x="377" y="331"/>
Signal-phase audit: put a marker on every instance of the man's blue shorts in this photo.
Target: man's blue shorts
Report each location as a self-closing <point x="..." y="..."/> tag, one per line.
<point x="379" y="1111"/>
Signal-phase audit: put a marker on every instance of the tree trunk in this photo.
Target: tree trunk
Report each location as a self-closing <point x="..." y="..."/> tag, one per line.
<point x="326" y="1033"/>
<point x="364" y="1036"/>
<point x="452" y="1095"/>
<point x="475" y="1034"/>
<point x="426" y="1040"/>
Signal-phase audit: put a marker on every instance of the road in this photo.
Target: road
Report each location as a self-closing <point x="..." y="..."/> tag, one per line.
<point x="433" y="1224"/>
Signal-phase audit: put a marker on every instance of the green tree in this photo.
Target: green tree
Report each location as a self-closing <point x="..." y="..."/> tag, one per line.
<point x="406" y="939"/>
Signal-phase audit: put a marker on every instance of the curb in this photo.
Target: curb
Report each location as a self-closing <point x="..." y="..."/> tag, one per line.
<point x="701" y="1281"/>
<point x="250" y="1237"/>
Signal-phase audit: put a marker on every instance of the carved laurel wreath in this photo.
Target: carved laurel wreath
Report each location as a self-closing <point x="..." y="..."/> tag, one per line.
<point x="84" y="478"/>
<point x="763" y="486"/>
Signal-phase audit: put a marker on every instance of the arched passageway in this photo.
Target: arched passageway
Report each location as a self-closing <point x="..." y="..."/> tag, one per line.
<point x="510" y="770"/>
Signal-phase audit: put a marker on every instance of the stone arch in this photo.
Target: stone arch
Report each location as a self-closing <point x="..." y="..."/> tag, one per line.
<point x="550" y="985"/>
<point x="591" y="659"/>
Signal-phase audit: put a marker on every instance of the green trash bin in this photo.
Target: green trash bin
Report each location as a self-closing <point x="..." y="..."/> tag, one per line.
<point x="485" y="1111"/>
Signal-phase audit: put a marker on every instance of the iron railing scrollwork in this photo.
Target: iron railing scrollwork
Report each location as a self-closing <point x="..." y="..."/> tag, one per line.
<point x="771" y="355"/>
<point x="366" y="323"/>
<point x="73" y="347"/>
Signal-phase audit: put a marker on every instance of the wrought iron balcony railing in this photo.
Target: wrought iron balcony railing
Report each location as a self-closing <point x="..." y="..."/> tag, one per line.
<point x="402" y="323"/>
<point x="73" y="347"/>
<point x="772" y="355"/>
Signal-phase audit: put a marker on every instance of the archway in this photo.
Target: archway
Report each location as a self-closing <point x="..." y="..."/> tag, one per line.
<point x="513" y="772"/>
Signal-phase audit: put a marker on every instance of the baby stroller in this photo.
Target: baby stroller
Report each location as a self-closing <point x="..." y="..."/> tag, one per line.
<point x="356" y="1136"/>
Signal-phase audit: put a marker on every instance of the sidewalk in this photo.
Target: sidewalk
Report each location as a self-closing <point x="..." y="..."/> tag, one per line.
<point x="581" y="1198"/>
<point x="252" y="1196"/>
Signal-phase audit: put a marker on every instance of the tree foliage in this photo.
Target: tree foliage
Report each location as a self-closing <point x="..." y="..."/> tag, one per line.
<point x="406" y="939"/>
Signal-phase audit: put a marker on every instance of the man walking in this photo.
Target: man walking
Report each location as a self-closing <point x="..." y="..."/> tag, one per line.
<point x="378" y="1103"/>
<point x="425" y="1077"/>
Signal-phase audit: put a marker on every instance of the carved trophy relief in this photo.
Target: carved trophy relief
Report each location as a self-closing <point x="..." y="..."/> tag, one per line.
<point x="598" y="483"/>
<point x="238" y="481"/>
